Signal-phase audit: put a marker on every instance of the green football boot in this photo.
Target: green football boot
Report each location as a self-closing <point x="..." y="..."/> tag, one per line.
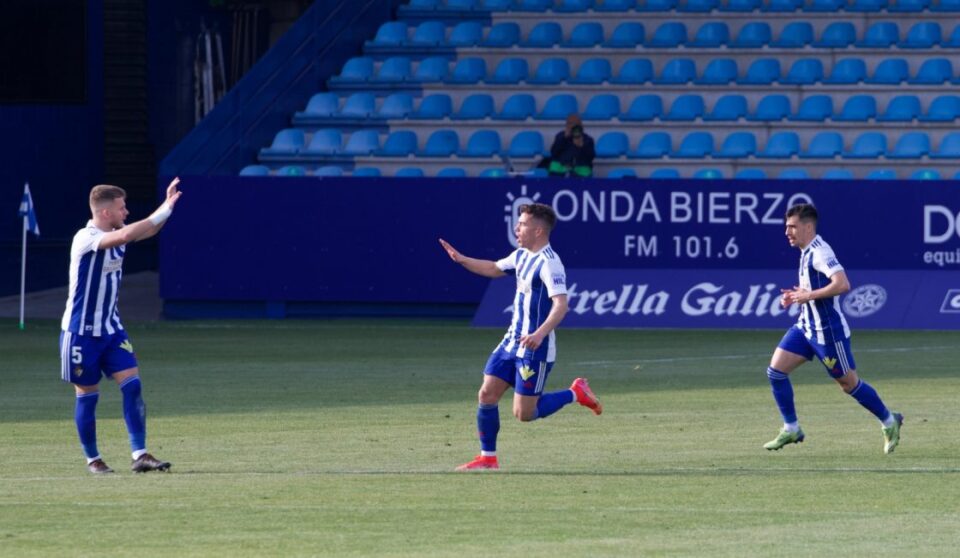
<point x="891" y="434"/>
<point x="784" y="438"/>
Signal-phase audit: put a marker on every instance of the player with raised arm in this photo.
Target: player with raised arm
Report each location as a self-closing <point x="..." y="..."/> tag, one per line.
<point x="525" y="356"/>
<point x="821" y="331"/>
<point x="93" y="343"/>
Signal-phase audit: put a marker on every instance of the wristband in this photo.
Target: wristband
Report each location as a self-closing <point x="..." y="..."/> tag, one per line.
<point x="161" y="214"/>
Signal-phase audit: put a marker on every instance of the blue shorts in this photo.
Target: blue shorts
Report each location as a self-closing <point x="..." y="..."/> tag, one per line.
<point x="836" y="357"/>
<point x="84" y="359"/>
<point x="528" y="377"/>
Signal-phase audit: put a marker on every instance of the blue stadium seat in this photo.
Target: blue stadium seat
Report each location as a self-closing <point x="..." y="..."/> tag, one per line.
<point x="867" y="6"/>
<point x="665" y="174"/>
<point x="839" y="34"/>
<point x="825" y="5"/>
<point x="602" y="107"/>
<point x="755" y="34"/>
<point x="669" y="35"/>
<point x="396" y="106"/>
<point x="329" y="170"/>
<point x="362" y="142"/>
<point x="815" y="108"/>
<point x="628" y="34"/>
<point x="482" y="143"/>
<point x="587" y="34"/>
<point x="399" y="144"/>
<point x="771" y="108"/>
<point x="441" y="143"/>
<point x="805" y="71"/>
<point x="741" y="6"/>
<point x="781" y="145"/>
<point x="794" y="174"/>
<point x="390" y="34"/>
<point x="945" y="6"/>
<point x="468" y="71"/>
<point x="685" y="108"/>
<point x="883" y="34"/>
<point x="695" y="145"/>
<point x="677" y="71"/>
<point x="622" y="173"/>
<point x="924" y="34"/>
<point x="750" y="174"/>
<point x="738" y="145"/>
<point x="532" y="5"/>
<point x="882" y="174"/>
<point x="728" y="108"/>
<point x="654" y="145"/>
<point x="762" y="71"/>
<point x="945" y="108"/>
<point x="322" y="104"/>
<point x="796" y="34"/>
<point x="432" y="69"/>
<point x="635" y="71"/>
<point x="509" y="71"/>
<point x="698" y="6"/>
<point x="612" y="145"/>
<point x="869" y="145"/>
<point x="908" y="6"/>
<point x="902" y="108"/>
<point x="255" y="170"/>
<point x="517" y="107"/>
<point x="543" y="35"/>
<point x="433" y="107"/>
<point x="572" y="5"/>
<point x="559" y="107"/>
<point x="425" y="4"/>
<point x="711" y="35"/>
<point x="858" y="108"/>
<point x="429" y="34"/>
<point x="593" y="71"/>
<point x="358" y="69"/>
<point x="890" y="71"/>
<point x="657" y="5"/>
<point x="781" y="6"/>
<point x="460" y="4"/>
<point x="708" y="174"/>
<point x="720" y="71"/>
<point x="502" y="35"/>
<point x="925" y="174"/>
<point x="949" y="147"/>
<point x="954" y="40"/>
<point x="644" y="108"/>
<point x="292" y="170"/>
<point x="451" y="172"/>
<point x="394" y="69"/>
<point x="615" y="5"/>
<point x="409" y="172"/>
<point x="324" y="142"/>
<point x="466" y="34"/>
<point x="824" y="145"/>
<point x="912" y="145"/>
<point x="369" y="172"/>
<point x="848" y="71"/>
<point x="359" y="105"/>
<point x="837" y="174"/>
<point x="528" y="143"/>
<point x="493" y="173"/>
<point x="551" y="71"/>
<point x="286" y="142"/>
<point x="475" y="107"/>
<point x="933" y="71"/>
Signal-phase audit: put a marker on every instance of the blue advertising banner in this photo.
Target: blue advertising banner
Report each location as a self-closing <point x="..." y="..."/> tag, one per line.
<point x="632" y="298"/>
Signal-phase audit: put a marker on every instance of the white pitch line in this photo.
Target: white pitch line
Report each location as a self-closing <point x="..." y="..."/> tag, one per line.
<point x="751" y="355"/>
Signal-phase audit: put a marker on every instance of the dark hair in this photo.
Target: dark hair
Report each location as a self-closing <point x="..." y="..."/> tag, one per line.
<point x="106" y="193"/>
<point x="541" y="211"/>
<point x="804" y="212"/>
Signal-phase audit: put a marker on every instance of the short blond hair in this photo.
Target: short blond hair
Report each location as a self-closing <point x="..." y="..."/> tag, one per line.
<point x="106" y="193"/>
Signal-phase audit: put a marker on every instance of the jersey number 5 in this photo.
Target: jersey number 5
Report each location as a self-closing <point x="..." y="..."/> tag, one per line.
<point x="75" y="356"/>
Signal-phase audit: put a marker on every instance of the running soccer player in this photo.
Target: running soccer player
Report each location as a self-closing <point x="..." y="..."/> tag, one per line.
<point x="93" y="343"/>
<point x="525" y="356"/>
<point x="821" y="330"/>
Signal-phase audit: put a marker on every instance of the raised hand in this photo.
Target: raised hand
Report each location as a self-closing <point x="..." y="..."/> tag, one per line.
<point x="172" y="193"/>
<point x="451" y="251"/>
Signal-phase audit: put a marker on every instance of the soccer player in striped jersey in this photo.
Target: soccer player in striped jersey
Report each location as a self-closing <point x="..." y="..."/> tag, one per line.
<point x="525" y="356"/>
<point x="93" y="342"/>
<point x="821" y="330"/>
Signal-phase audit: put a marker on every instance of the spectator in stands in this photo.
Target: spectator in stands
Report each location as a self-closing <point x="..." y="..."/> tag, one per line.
<point x="572" y="151"/>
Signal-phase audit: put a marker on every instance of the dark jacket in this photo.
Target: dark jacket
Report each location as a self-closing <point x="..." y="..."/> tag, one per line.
<point x="566" y="153"/>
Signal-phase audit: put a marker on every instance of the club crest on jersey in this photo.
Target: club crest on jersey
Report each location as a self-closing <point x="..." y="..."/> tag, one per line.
<point x="526" y="372"/>
<point x="127" y="346"/>
<point x="830" y="362"/>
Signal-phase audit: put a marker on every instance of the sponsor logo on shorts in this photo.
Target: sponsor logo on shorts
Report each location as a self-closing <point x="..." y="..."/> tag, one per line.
<point x="830" y="362"/>
<point x="951" y="302"/>
<point x="78" y="371"/>
<point x="127" y="346"/>
<point x="865" y="300"/>
<point x="526" y="372"/>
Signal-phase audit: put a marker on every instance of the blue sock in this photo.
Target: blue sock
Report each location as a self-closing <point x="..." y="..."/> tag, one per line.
<point x="488" y="426"/>
<point x="550" y="403"/>
<point x="782" y="394"/>
<point x="85" y="415"/>
<point x="134" y="413"/>
<point x="867" y="396"/>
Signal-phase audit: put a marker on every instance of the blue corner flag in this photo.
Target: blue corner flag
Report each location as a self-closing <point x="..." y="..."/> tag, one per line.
<point x="26" y="210"/>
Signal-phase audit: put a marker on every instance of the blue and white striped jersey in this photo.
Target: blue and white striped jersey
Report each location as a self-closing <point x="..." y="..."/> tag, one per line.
<point x="94" y="285"/>
<point x="821" y="320"/>
<point x="540" y="276"/>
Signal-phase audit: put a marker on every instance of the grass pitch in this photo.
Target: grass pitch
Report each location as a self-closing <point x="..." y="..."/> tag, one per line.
<point x="338" y="438"/>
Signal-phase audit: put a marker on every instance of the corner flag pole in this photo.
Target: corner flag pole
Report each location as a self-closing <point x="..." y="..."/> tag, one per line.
<point x="23" y="270"/>
<point x="29" y="224"/>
